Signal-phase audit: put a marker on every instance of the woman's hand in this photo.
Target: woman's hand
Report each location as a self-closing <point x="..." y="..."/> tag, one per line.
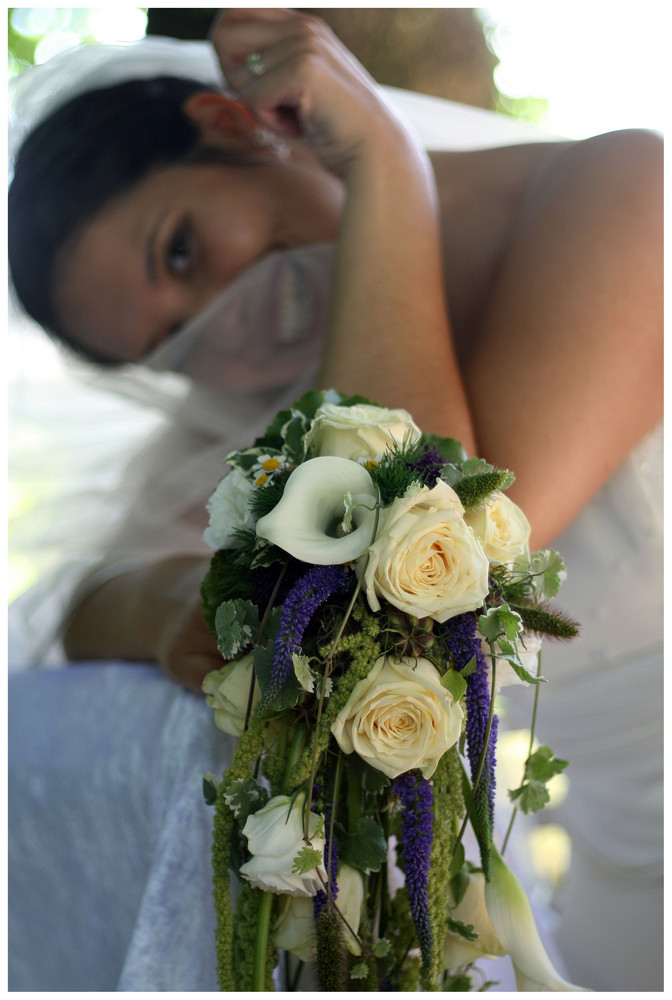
<point x="149" y="613"/>
<point x="307" y="83"/>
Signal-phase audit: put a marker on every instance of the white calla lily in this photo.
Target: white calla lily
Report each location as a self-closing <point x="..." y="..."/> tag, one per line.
<point x="513" y="923"/>
<point x="305" y="522"/>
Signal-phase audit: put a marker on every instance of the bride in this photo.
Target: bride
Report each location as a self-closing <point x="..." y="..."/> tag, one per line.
<point x="508" y="297"/>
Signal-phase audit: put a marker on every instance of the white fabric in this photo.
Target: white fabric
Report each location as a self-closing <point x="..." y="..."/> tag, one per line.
<point x="109" y="842"/>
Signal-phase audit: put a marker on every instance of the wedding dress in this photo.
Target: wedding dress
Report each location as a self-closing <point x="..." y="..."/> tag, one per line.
<point x="109" y="835"/>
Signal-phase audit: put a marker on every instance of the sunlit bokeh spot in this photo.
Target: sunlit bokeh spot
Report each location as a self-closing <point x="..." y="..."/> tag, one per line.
<point x="551" y="852"/>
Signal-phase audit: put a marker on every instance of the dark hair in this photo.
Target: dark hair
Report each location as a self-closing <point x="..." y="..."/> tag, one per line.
<point x="91" y="150"/>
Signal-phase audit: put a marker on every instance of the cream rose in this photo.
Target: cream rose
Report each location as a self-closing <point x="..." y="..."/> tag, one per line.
<point x="503" y="529"/>
<point x="399" y="717"/>
<point x="471" y="909"/>
<point x="275" y="837"/>
<point x="294" y="930"/>
<point x="362" y="431"/>
<point x="425" y="559"/>
<point x="229" y="509"/>
<point x="227" y="690"/>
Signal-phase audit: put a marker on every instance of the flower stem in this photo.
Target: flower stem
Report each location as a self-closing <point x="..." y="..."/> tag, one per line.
<point x="529" y="749"/>
<point x="293" y="754"/>
<point x="261" y="942"/>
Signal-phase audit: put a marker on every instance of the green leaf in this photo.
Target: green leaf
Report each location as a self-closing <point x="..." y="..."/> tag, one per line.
<point x="500" y="621"/>
<point x="544" y="765"/>
<point x="307" y="859"/>
<point x="450" y="450"/>
<point x="453" y="681"/>
<point x="466" y="931"/>
<point x="540" y="767"/>
<point x="366" y="847"/>
<point x="245" y="796"/>
<point x="469" y="667"/>
<point x="236" y="623"/>
<point x="382" y="947"/>
<point x="548" y="571"/>
<point x="531" y="796"/>
<point x="360" y="971"/>
<point x="457" y="863"/>
<point x="226" y="578"/>
<point x="210" y="788"/>
<point x="304" y="674"/>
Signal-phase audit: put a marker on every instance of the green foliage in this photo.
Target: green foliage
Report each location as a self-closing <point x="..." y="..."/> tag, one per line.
<point x="366" y="847"/>
<point x="540" y="767"/>
<point x="466" y="931"/>
<point x="453" y="681"/>
<point x="244" y="797"/>
<point x="547" y="570"/>
<point x="236" y="624"/>
<point x="307" y="859"/>
<point x="210" y="789"/>
<point x="227" y="578"/>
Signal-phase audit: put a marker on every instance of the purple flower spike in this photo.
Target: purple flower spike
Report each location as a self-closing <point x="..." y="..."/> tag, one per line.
<point x="462" y="643"/>
<point x="303" y="600"/>
<point x="417" y="820"/>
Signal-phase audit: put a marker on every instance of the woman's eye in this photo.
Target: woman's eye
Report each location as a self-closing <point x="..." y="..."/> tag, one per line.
<point x="180" y="251"/>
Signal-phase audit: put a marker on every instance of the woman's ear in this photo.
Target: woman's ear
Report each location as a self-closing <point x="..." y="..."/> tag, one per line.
<point x="220" y="118"/>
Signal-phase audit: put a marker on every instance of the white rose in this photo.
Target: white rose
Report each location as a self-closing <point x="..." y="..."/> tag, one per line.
<point x="399" y="717"/>
<point x="471" y="909"/>
<point x="229" y="509"/>
<point x="425" y="560"/>
<point x="275" y="837"/>
<point x="294" y="930"/>
<point x="306" y="520"/>
<point x="227" y="690"/>
<point x="503" y="529"/>
<point x="362" y="431"/>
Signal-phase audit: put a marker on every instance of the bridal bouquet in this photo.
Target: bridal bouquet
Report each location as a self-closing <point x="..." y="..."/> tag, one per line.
<point x="370" y="587"/>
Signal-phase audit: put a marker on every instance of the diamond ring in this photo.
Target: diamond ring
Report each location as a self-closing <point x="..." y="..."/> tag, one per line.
<point x="255" y="64"/>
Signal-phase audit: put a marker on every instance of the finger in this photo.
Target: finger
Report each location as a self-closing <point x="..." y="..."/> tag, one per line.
<point x="234" y="40"/>
<point x="190" y="669"/>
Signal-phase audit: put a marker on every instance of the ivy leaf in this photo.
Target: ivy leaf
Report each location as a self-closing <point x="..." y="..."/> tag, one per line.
<point x="544" y="765"/>
<point x="236" y="623"/>
<point x="500" y="621"/>
<point x="453" y="681"/>
<point x="506" y="651"/>
<point x="307" y="859"/>
<point x="540" y="767"/>
<point x="382" y="947"/>
<point x="366" y="847"/>
<point x="360" y="971"/>
<point x="245" y="796"/>
<point x="548" y="572"/>
<point x="531" y="796"/>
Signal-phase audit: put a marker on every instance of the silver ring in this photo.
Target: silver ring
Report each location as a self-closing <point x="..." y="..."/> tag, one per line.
<point x="255" y="64"/>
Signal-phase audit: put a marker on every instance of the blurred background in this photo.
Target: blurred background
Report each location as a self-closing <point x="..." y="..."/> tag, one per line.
<point x="573" y="69"/>
<point x="576" y="69"/>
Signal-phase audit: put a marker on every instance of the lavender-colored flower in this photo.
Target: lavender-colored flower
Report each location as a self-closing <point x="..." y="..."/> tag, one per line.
<point x="330" y="863"/>
<point x="428" y="465"/>
<point x="417" y="821"/>
<point x="303" y="600"/>
<point x="462" y="642"/>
